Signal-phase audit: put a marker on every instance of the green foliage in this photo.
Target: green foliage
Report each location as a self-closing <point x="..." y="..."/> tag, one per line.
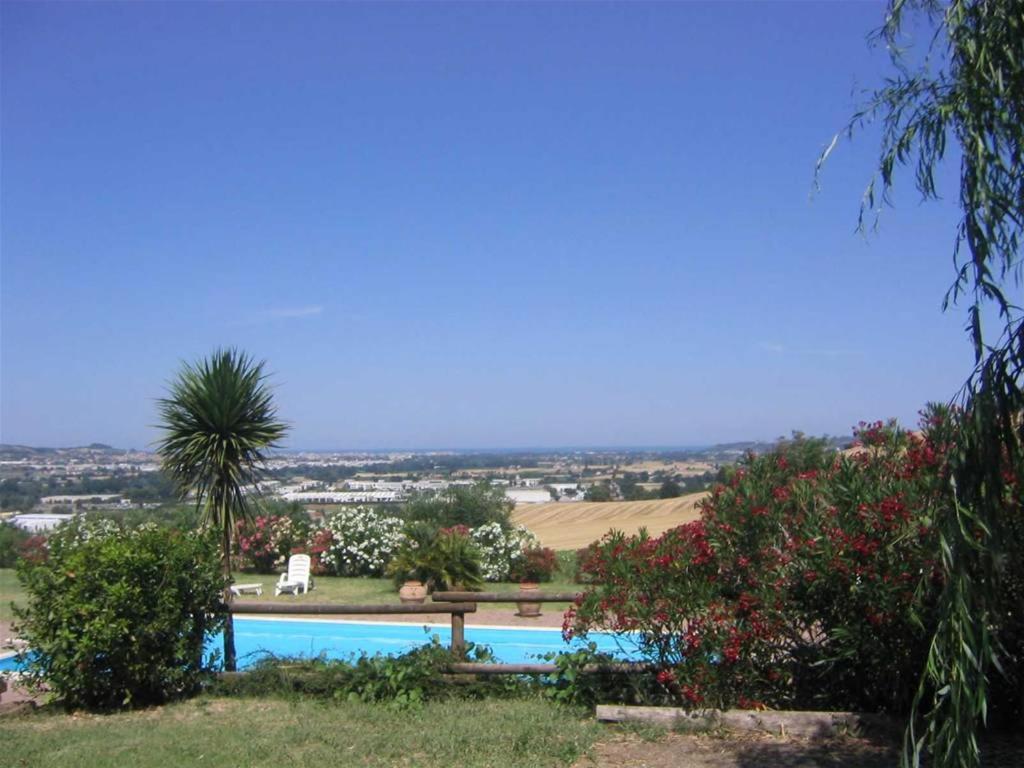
<point x="267" y="541"/>
<point x="598" y="492"/>
<point x="670" y="489"/>
<point x="219" y="421"/>
<point x="969" y="88"/>
<point x="809" y="581"/>
<point x="402" y="682"/>
<point x="183" y="517"/>
<point x="537" y="564"/>
<point x="441" y="560"/>
<point x="567" y="564"/>
<point x="470" y="505"/>
<point x="119" y="618"/>
<point x="223" y="732"/>
<point x="571" y="684"/>
<point x="12" y="539"/>
<point x="358" y="541"/>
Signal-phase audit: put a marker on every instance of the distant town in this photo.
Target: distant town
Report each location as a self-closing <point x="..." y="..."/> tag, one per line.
<point x="39" y="487"/>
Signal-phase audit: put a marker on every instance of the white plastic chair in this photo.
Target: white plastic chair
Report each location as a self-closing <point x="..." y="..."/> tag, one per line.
<point x="296" y="578"/>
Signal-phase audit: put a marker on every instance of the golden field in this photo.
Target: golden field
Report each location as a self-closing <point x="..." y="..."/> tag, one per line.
<point x="571" y="525"/>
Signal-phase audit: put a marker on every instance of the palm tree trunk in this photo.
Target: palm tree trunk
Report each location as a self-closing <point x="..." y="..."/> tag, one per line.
<point x="229" y="624"/>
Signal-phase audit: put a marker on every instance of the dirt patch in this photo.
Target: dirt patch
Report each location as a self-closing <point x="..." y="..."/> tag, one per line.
<point x="672" y="750"/>
<point x="654" y="749"/>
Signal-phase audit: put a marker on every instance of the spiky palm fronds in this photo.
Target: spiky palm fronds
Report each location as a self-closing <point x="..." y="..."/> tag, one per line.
<point x="219" y="422"/>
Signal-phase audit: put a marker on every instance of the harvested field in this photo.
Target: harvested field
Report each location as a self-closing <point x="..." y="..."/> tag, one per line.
<point x="572" y="525"/>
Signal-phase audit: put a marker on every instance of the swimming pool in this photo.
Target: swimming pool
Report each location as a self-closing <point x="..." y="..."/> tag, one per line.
<point x="336" y="639"/>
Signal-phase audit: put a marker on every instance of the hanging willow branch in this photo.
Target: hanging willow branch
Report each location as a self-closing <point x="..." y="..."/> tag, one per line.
<point x="967" y="91"/>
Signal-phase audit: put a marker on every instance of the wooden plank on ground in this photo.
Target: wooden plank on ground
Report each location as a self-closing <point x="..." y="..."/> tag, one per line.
<point x="781" y="723"/>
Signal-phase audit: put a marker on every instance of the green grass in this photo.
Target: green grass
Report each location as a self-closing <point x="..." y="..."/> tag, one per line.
<point x="363" y="591"/>
<point x="329" y="589"/>
<point x="234" y="732"/>
<point x="10" y="591"/>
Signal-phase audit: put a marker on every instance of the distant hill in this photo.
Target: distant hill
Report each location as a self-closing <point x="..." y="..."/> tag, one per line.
<point x="10" y="452"/>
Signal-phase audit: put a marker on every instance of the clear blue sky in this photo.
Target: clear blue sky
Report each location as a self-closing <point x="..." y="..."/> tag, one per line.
<point x="460" y="225"/>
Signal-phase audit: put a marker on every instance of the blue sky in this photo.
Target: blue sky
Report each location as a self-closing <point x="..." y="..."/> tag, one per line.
<point x="460" y="225"/>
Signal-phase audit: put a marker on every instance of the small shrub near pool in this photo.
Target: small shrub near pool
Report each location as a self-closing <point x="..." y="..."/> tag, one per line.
<point x="120" y="618"/>
<point x="402" y="681"/>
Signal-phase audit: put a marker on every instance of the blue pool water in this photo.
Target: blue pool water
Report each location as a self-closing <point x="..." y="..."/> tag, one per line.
<point x="255" y="638"/>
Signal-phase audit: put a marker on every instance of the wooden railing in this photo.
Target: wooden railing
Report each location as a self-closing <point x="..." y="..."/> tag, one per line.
<point x="457" y="610"/>
<point x="524" y="596"/>
<point x="457" y="604"/>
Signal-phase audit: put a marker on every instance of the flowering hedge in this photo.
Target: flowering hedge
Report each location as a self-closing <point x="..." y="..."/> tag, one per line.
<point x="266" y="544"/>
<point x="808" y="581"/>
<point x="502" y="549"/>
<point x="362" y="541"/>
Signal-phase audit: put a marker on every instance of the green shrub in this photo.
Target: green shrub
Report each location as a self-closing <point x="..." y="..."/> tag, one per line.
<point x="809" y="581"/>
<point x="537" y="564"/>
<point x="359" y="541"/>
<point x="568" y="564"/>
<point x="402" y="681"/>
<point x="12" y="538"/>
<point x="571" y="684"/>
<point x="469" y="505"/>
<point x="120" y="618"/>
<point x="445" y="560"/>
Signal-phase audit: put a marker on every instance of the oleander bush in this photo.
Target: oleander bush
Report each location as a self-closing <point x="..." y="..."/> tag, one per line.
<point x="266" y="542"/>
<point x="120" y="618"/>
<point x="12" y="539"/>
<point x="502" y="548"/>
<point x="810" y="580"/>
<point x="536" y="564"/>
<point x="358" y="542"/>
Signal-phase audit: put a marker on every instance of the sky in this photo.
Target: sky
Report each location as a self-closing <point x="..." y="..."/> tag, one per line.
<point x="461" y="225"/>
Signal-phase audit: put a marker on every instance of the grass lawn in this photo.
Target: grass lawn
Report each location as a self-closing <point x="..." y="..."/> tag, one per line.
<point x="329" y="589"/>
<point x="10" y="591"/>
<point x="362" y="591"/>
<point x="271" y="732"/>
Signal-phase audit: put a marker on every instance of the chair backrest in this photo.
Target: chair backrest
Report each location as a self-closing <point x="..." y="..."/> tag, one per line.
<point x="298" y="568"/>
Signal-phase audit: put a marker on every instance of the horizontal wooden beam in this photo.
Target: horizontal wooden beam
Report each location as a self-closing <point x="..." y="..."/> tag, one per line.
<point x="505" y="597"/>
<point x="332" y="609"/>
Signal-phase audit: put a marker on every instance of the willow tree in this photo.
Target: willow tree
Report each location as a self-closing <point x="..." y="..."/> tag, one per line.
<point x="219" y="422"/>
<point x="960" y="99"/>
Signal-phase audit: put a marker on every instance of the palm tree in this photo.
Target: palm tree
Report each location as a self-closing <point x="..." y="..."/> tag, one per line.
<point x="219" y="421"/>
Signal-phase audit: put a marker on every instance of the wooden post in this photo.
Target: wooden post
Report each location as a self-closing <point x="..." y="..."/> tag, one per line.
<point x="459" y="633"/>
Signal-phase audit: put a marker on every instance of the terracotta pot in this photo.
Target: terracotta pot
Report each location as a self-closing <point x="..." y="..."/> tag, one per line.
<point x="413" y="592"/>
<point x="527" y="609"/>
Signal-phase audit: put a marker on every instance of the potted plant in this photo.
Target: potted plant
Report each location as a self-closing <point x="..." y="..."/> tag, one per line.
<point x="438" y="560"/>
<point x="534" y="566"/>
<point x="407" y="567"/>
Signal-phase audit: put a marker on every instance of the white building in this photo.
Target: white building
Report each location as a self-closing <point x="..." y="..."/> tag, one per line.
<point x="36" y="523"/>
<point x="568" y="491"/>
<point x="528" y="495"/>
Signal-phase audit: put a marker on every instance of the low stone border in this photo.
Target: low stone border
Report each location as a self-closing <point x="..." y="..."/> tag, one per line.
<point x="781" y="723"/>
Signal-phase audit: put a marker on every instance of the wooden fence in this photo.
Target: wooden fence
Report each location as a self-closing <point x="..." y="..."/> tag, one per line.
<point x="457" y="605"/>
<point x="457" y="611"/>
